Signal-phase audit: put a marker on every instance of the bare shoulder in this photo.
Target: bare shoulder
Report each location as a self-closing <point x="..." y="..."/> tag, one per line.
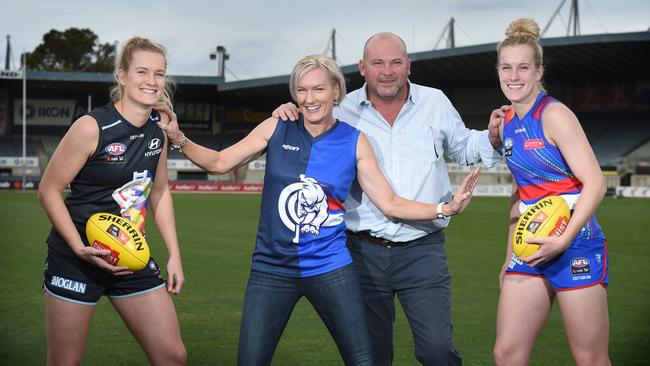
<point x="269" y="122"/>
<point x="363" y="147"/>
<point x="560" y="122"/>
<point x="555" y="112"/>
<point x="84" y="134"/>
<point x="267" y="127"/>
<point x="85" y="126"/>
<point x="362" y="138"/>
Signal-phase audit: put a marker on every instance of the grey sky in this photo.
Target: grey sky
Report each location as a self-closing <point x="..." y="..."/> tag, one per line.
<point x="266" y="38"/>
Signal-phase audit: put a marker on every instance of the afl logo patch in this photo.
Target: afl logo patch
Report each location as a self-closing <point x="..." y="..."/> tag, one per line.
<point x="580" y="265"/>
<point x="115" y="149"/>
<point x="115" y="152"/>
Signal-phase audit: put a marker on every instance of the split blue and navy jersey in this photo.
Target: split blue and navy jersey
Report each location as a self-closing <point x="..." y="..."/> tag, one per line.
<point x="538" y="167"/>
<point x="301" y="231"/>
<point x="118" y="176"/>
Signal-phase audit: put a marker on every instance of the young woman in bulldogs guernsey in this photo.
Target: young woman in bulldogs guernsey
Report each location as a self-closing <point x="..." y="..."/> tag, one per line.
<point x="300" y="247"/>
<point x="115" y="160"/>
<point x="549" y="155"/>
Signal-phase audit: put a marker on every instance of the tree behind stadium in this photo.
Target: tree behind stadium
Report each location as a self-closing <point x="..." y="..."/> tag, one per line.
<point x="72" y="50"/>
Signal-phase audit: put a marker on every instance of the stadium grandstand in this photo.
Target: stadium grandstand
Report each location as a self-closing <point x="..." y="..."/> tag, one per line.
<point x="603" y="78"/>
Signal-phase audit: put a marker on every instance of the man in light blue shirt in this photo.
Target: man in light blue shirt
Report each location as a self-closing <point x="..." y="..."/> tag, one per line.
<point x="410" y="128"/>
<point x="410" y="152"/>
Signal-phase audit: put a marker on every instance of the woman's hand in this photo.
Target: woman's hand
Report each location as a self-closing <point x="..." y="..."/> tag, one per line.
<point x="286" y="112"/>
<point x="550" y="247"/>
<point x="464" y="195"/>
<point x="497" y="119"/>
<point x="169" y="124"/>
<point x="95" y="257"/>
<point x="175" y="276"/>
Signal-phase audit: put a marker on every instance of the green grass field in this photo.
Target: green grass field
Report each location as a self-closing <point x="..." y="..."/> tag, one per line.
<point x="217" y="237"/>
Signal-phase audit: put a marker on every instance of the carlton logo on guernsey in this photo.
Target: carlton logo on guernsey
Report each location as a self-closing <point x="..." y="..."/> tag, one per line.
<point x="301" y="231"/>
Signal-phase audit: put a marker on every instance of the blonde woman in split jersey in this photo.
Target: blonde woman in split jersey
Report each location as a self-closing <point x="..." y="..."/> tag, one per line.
<point x="300" y="248"/>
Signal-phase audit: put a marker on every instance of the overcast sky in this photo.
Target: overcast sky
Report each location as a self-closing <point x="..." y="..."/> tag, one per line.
<point x="266" y="38"/>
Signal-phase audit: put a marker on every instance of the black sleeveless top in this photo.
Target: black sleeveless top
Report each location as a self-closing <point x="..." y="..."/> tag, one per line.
<point x="125" y="155"/>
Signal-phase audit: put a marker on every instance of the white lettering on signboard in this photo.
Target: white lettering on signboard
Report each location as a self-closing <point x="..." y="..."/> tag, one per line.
<point x="45" y="112"/>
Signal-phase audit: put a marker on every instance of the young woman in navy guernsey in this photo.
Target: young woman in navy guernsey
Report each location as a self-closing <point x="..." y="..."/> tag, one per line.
<point x="115" y="160"/>
<point x="549" y="155"/>
<point x="300" y="248"/>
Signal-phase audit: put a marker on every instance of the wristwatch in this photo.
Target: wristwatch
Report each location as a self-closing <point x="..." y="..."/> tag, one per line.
<point x="441" y="215"/>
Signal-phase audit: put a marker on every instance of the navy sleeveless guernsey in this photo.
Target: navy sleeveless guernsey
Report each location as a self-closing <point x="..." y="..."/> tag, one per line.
<point x="118" y="176"/>
<point x="301" y="230"/>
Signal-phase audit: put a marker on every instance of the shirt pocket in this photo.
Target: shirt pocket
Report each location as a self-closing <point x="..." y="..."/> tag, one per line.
<point x="437" y="144"/>
<point x="422" y="146"/>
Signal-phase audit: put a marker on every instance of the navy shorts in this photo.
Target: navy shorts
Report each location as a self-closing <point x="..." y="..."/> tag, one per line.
<point x="583" y="264"/>
<point x="72" y="279"/>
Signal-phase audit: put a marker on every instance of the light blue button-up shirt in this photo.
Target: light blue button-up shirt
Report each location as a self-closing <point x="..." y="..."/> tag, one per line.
<point x="410" y="154"/>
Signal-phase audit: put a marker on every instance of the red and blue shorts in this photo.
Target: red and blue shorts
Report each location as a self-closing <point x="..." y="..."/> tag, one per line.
<point x="583" y="264"/>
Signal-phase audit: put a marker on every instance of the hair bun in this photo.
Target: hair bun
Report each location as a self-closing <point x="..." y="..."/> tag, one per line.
<point x="525" y="28"/>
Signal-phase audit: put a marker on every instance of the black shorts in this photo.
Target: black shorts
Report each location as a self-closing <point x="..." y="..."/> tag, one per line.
<point x="72" y="279"/>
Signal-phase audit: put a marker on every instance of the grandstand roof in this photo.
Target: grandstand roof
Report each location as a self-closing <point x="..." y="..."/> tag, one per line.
<point x="99" y="77"/>
<point x="46" y="84"/>
<point x="600" y="57"/>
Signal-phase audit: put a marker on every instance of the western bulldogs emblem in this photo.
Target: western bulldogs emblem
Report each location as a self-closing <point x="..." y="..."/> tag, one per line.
<point x="507" y="146"/>
<point x="303" y="208"/>
<point x="312" y="206"/>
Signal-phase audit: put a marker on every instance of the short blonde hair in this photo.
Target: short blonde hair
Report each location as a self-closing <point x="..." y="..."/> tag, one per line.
<point x="123" y="62"/>
<point x="326" y="64"/>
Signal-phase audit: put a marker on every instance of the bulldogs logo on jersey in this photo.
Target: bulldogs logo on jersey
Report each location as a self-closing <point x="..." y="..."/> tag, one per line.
<point x="507" y="146"/>
<point x="303" y="208"/>
<point x="312" y="206"/>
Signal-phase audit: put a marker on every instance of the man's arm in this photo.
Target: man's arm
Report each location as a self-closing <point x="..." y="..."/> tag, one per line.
<point x="467" y="146"/>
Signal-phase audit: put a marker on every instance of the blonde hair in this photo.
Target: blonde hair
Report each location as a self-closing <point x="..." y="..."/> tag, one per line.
<point x="123" y="62"/>
<point x="312" y="62"/>
<point x="524" y="31"/>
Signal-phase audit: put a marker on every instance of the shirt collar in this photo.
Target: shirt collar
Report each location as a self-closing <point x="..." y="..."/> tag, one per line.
<point x="362" y="97"/>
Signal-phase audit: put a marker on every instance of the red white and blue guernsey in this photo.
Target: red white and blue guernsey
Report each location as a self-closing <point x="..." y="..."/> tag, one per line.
<point x="540" y="171"/>
<point x="301" y="231"/>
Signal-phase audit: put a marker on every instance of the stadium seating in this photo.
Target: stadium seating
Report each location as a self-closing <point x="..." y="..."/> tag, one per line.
<point x="50" y="142"/>
<point x="613" y="135"/>
<point x="13" y="146"/>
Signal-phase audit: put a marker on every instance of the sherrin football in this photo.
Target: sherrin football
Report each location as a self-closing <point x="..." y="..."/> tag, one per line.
<point x="547" y="217"/>
<point x="127" y="245"/>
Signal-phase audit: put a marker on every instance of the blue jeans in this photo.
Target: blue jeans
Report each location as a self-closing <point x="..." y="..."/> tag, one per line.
<point x="418" y="274"/>
<point x="270" y="299"/>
